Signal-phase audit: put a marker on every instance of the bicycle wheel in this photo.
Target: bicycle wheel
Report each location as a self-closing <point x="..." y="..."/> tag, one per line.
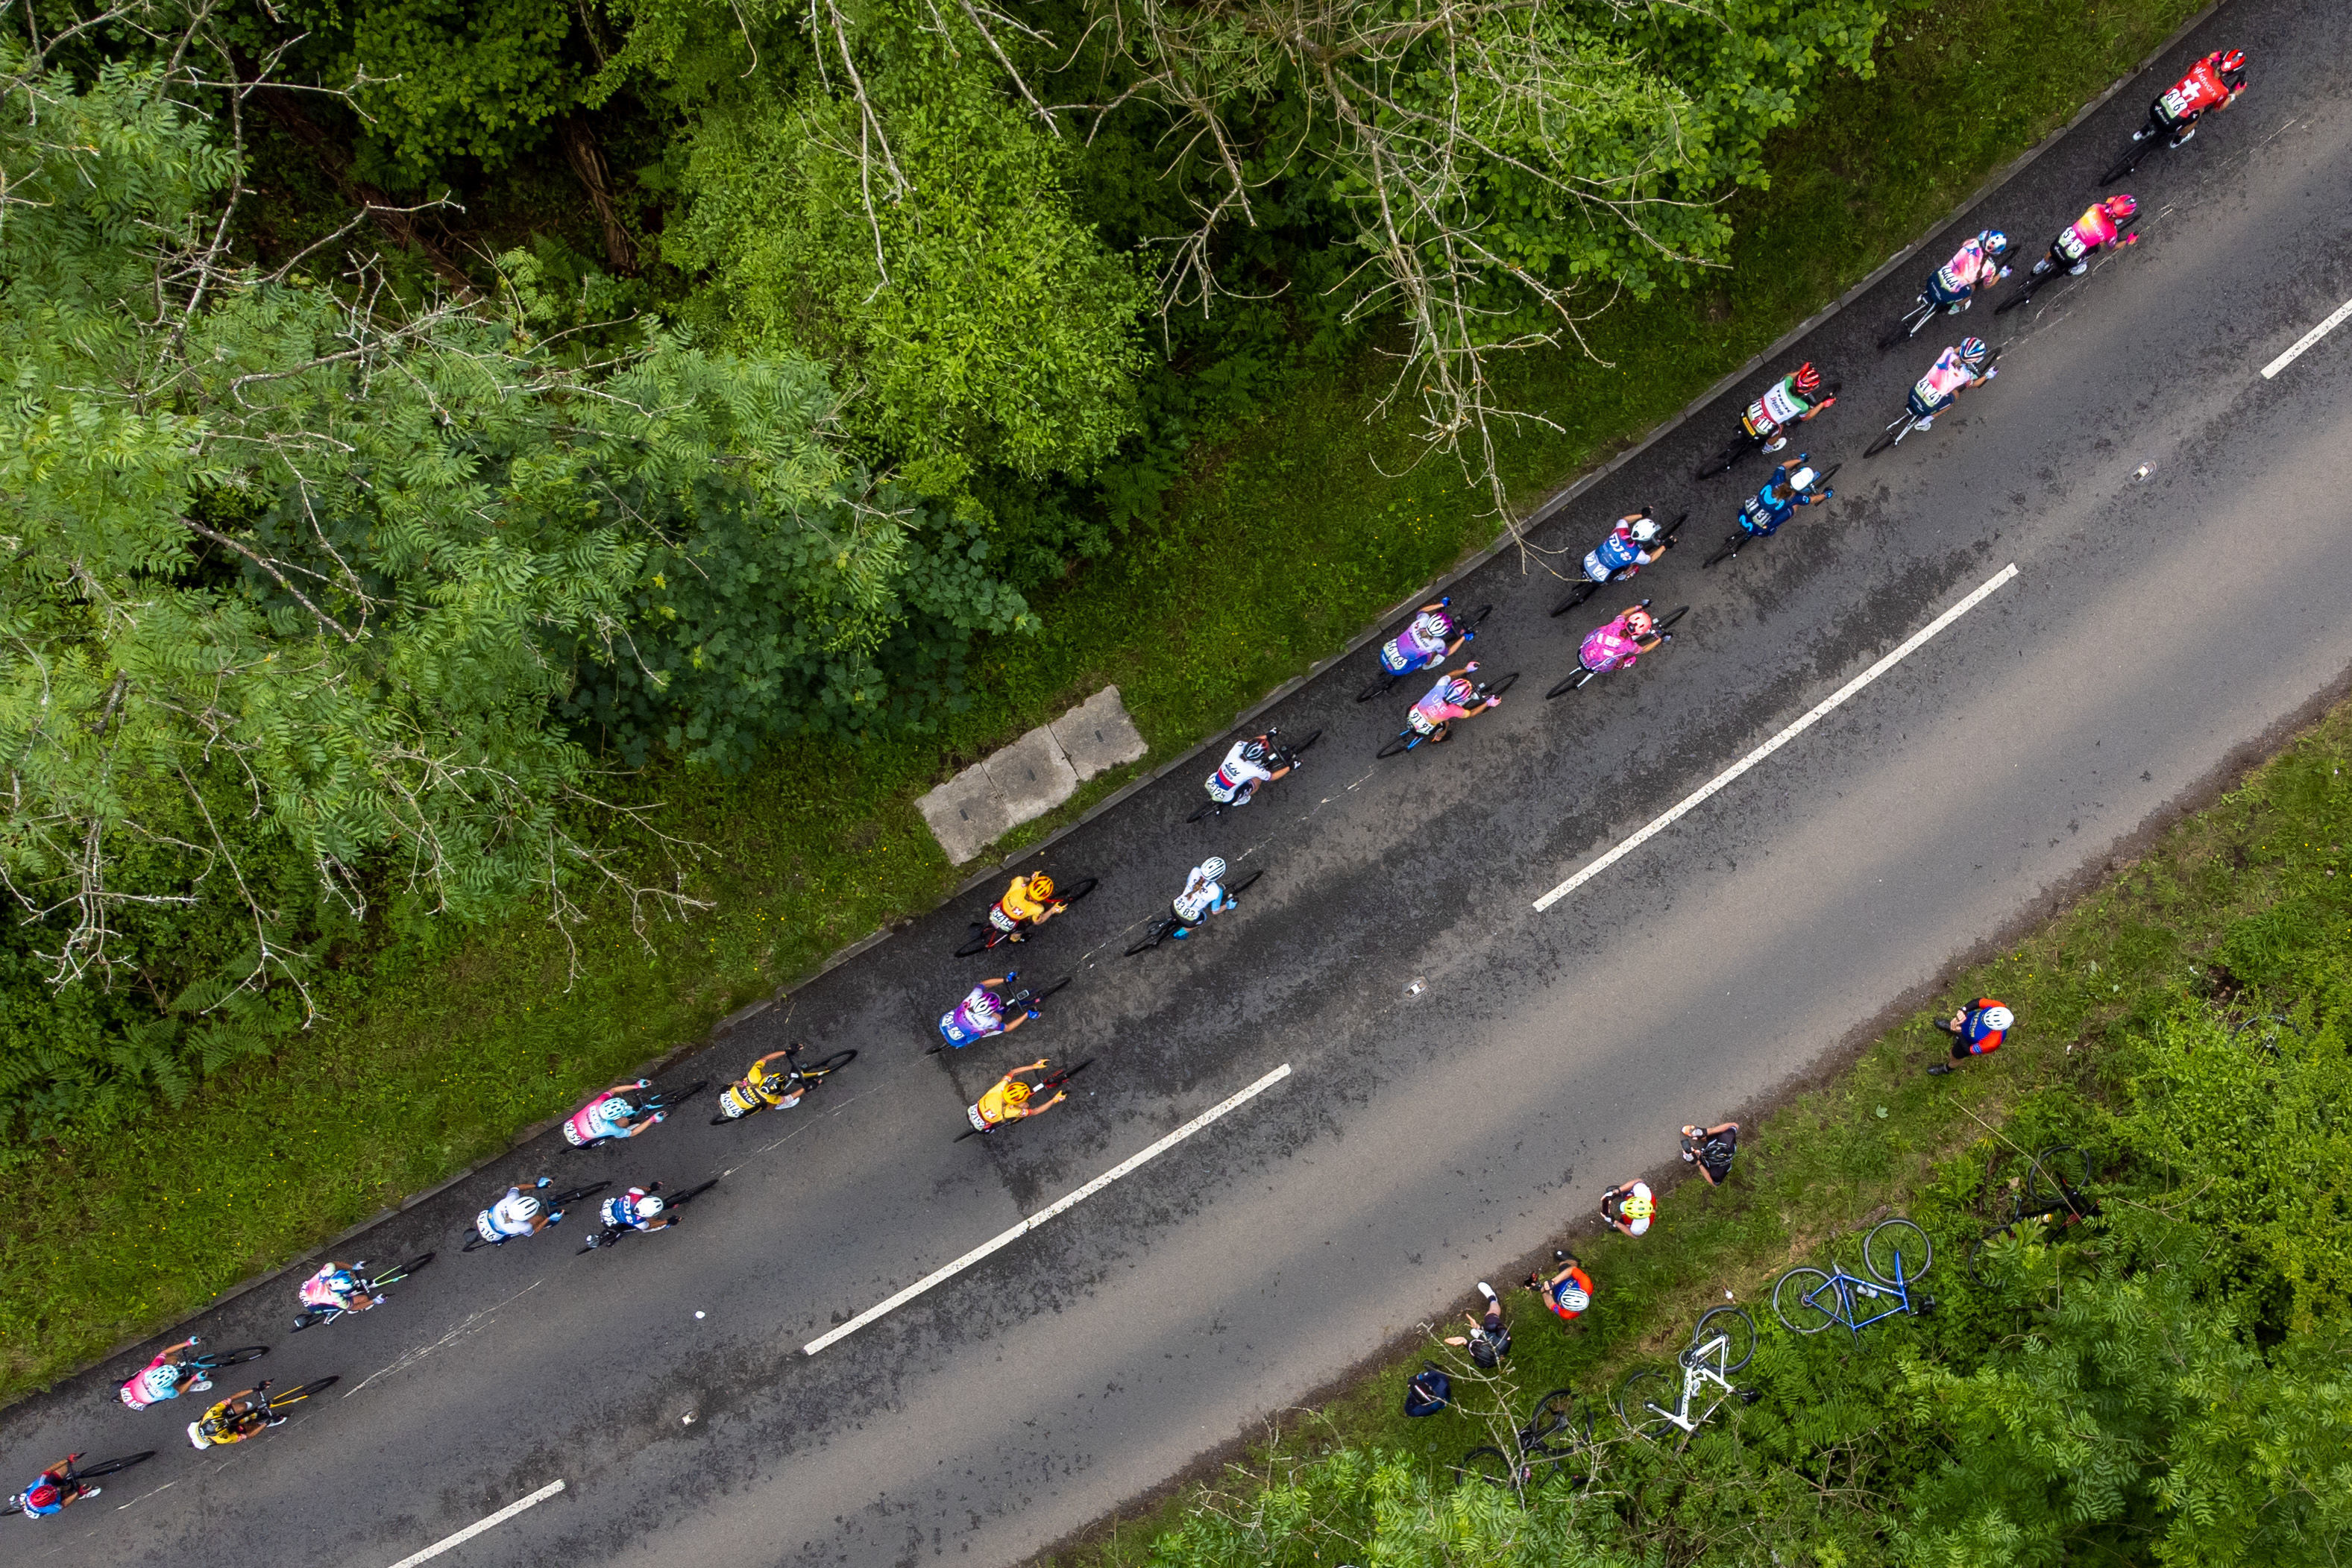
<point x="1301" y="749"/>
<point x="1049" y="990"/>
<point x="1381" y="683"/>
<point x="1908" y="328"/>
<point x="1897" y="1252"/>
<point x="1723" y="460"/>
<point x="1738" y="1334"/>
<point x="1576" y="596"/>
<point x="1056" y="1079"/>
<point x="1471" y="624"/>
<point x="1212" y="806"/>
<point x="1893" y="433"/>
<point x="573" y="1194"/>
<point x="816" y="1071"/>
<point x="398" y="1272"/>
<point x="1675" y="527"/>
<point x="1569" y="685"/>
<point x="1829" y="473"/>
<point x="2057" y="1180"/>
<point x="301" y="1392"/>
<point x="2024" y="295"/>
<point x="670" y="1099"/>
<point x="1244" y="884"/>
<point x="2127" y="163"/>
<point x="1639" y="1403"/>
<point x="111" y="1467"/>
<point x="1493" y="1466"/>
<point x="1400" y="745"/>
<point x="1673" y="617"/>
<point x="1555" y="1413"/>
<point x="690" y="1194"/>
<point x="1505" y="685"/>
<point x="237" y="1357"/>
<point x="473" y="1243"/>
<point x="1084" y="886"/>
<point x="1802" y="1301"/>
<point x="1158" y="935"/>
<point x="978" y="944"/>
<point x="1730" y="548"/>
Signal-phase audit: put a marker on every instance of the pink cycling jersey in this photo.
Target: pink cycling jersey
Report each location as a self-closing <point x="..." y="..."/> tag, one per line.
<point x="1608" y="647"/>
<point x="1944" y="378"/>
<point x="1969" y="267"/>
<point x="159" y="1379"/>
<point x="591" y="1122"/>
<point x="2088" y="233"/>
<point x="1436" y="708"/>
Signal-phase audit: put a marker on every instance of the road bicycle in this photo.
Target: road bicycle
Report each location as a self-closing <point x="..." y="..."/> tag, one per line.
<point x="76" y="1473"/>
<point x="1044" y="1087"/>
<point x="611" y="1234"/>
<point x="1740" y="538"/>
<point x="1589" y="586"/>
<point x="1908" y="422"/>
<point x="1722" y="1343"/>
<point x="1722" y="461"/>
<point x="1559" y="1433"/>
<point x="1437" y="735"/>
<point x="739" y="1100"/>
<point x="988" y="930"/>
<point x="558" y="1204"/>
<point x="1895" y="1255"/>
<point x="276" y="1403"/>
<point x="655" y="1102"/>
<point x="375" y="1287"/>
<point x="2052" y="1195"/>
<point x="1023" y="1000"/>
<point x="2036" y="281"/>
<point x="1393" y="667"/>
<point x="1167" y="925"/>
<point x="1586" y="673"/>
<point x="1278" y="757"/>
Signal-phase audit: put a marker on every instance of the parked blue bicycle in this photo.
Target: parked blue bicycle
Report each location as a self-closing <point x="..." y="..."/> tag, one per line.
<point x="1895" y="1255"/>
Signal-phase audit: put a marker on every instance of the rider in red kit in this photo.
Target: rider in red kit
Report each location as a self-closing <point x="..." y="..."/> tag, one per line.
<point x="2213" y="82"/>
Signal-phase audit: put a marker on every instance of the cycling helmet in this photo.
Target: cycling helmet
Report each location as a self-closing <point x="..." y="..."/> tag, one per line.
<point x="524" y="1207"/>
<point x="1996" y="243"/>
<point x="1016" y="1090"/>
<point x="1640" y="621"/>
<point x="2121" y="207"/>
<point x="1645" y="530"/>
<point x="649" y="1206"/>
<point x="1973" y="352"/>
<point x="1809" y="380"/>
<point x="342" y="1281"/>
<point x="1212" y="868"/>
<point x="1459" y="690"/>
<point x="1041" y="886"/>
<point x="1574" y="1300"/>
<point x="2231" y="61"/>
<point x="42" y="1496"/>
<point x="1997" y="1017"/>
<point x="1802" y="480"/>
<point x="1253" y="750"/>
<point x="1640" y="1206"/>
<point x="616" y="1109"/>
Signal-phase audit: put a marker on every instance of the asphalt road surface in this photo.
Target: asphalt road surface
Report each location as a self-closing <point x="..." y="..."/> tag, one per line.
<point x="2156" y="625"/>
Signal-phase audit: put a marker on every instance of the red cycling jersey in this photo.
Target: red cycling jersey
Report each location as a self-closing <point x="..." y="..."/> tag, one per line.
<point x="2199" y="90"/>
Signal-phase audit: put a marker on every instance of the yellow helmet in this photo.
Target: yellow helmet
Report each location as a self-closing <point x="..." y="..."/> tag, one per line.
<point x="1016" y="1091"/>
<point x="1639" y="1207"/>
<point x="1041" y="886"/>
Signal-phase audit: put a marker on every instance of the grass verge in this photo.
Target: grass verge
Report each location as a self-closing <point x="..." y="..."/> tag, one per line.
<point x="1277" y="549"/>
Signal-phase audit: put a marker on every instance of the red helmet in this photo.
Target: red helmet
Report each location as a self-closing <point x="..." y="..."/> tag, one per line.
<point x="1809" y="380"/>
<point x="2121" y="207"/>
<point x="2230" y="61"/>
<point x="42" y="1496"/>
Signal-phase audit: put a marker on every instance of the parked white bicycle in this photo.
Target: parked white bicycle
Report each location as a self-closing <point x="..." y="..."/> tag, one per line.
<point x="1723" y="1342"/>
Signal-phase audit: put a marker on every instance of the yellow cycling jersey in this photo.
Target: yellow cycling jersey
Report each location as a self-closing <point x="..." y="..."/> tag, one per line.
<point x="997" y="1106"/>
<point x="1018" y="903"/>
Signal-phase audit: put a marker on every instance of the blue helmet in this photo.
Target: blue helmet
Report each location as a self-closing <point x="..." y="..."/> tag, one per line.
<point x="342" y="1281"/>
<point x="1973" y="352"/>
<point x="1996" y="243"/>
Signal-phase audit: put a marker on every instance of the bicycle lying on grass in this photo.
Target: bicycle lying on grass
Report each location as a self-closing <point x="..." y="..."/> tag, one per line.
<point x="1559" y="1431"/>
<point x="1895" y="1255"/>
<point x="372" y="1287"/>
<point x="2052" y="1195"/>
<point x="1723" y="1342"/>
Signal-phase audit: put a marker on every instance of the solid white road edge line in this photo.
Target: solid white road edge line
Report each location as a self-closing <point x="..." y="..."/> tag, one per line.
<point x="1043" y="1215"/>
<point x="471" y="1531"/>
<point x="2342" y="312"/>
<point x="1820" y="711"/>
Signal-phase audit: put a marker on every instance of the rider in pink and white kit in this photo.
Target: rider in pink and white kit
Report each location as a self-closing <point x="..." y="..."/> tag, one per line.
<point x="1455" y="696"/>
<point x="2101" y="224"/>
<point x="1955" y="369"/>
<point x="1617" y="644"/>
<point x="1976" y="265"/>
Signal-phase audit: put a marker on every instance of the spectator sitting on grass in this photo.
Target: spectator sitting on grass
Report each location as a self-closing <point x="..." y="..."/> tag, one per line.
<point x="1976" y="1030"/>
<point x="1568" y="1292"/>
<point x="1710" y="1149"/>
<point x="1488" y="1340"/>
<point x="1629" y="1205"/>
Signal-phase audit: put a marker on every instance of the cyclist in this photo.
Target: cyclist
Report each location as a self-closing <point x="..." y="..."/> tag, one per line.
<point x="1618" y="644"/>
<point x="336" y="1286"/>
<point x="1792" y="400"/>
<point x="639" y="1208"/>
<point x="1633" y="543"/>
<point x="1204" y="893"/>
<point x="516" y="1215"/>
<point x="1568" y="1292"/>
<point x="1009" y="1099"/>
<point x="1976" y="1030"/>
<point x="1430" y="638"/>
<point x="161" y="1379"/>
<point x="1243" y="769"/>
<point x="2101" y="223"/>
<point x="1455" y="696"/>
<point x="235" y="1418"/>
<point x="1029" y="901"/>
<point x="982" y="1014"/>
<point x="1710" y="1149"/>
<point x="611" y="1115"/>
<point x="2214" y="82"/>
<point x="778" y="1090"/>
<point x="1955" y="369"/>
<point x="1976" y="265"/>
<point x="1790" y="486"/>
<point x="1490" y="1339"/>
<point x="1629" y="1205"/>
<point x="55" y="1489"/>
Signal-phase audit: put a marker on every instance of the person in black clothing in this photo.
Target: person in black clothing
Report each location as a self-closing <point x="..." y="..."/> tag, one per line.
<point x="1710" y="1149"/>
<point x="1490" y="1339"/>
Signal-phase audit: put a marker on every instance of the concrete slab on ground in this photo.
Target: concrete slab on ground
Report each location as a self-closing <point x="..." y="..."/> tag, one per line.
<point x="967" y="811"/>
<point x="1032" y="774"/>
<point x="1098" y="733"/>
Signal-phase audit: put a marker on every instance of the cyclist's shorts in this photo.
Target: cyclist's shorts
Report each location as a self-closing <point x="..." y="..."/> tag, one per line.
<point x="1923" y="407"/>
<point x="1397" y="662"/>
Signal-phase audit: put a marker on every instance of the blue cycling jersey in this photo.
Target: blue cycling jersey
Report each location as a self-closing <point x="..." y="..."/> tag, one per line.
<point x="1762" y="514"/>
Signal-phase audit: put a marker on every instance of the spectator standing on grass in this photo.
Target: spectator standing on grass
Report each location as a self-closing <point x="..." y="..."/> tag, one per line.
<point x="1568" y="1292"/>
<point x="1976" y="1030"/>
<point x="1489" y="1340"/>
<point x="1710" y="1149"/>
<point x="1629" y="1205"/>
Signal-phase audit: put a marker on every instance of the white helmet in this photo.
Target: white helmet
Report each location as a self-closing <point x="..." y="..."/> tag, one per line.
<point x="524" y="1207"/>
<point x="1803" y="479"/>
<point x="1211" y="869"/>
<point x="649" y="1206"/>
<point x="1645" y="530"/>
<point x="1574" y="1299"/>
<point x="1998" y="1017"/>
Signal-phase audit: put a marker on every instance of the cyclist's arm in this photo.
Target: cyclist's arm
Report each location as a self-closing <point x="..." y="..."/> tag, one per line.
<point x="1015" y="1020"/>
<point x="1059" y="1096"/>
<point x="753" y="1071"/>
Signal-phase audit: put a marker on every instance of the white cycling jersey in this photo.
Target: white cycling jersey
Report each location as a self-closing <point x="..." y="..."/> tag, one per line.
<point x="1200" y="897"/>
<point x="507" y="1217"/>
<point x="1236" y="775"/>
